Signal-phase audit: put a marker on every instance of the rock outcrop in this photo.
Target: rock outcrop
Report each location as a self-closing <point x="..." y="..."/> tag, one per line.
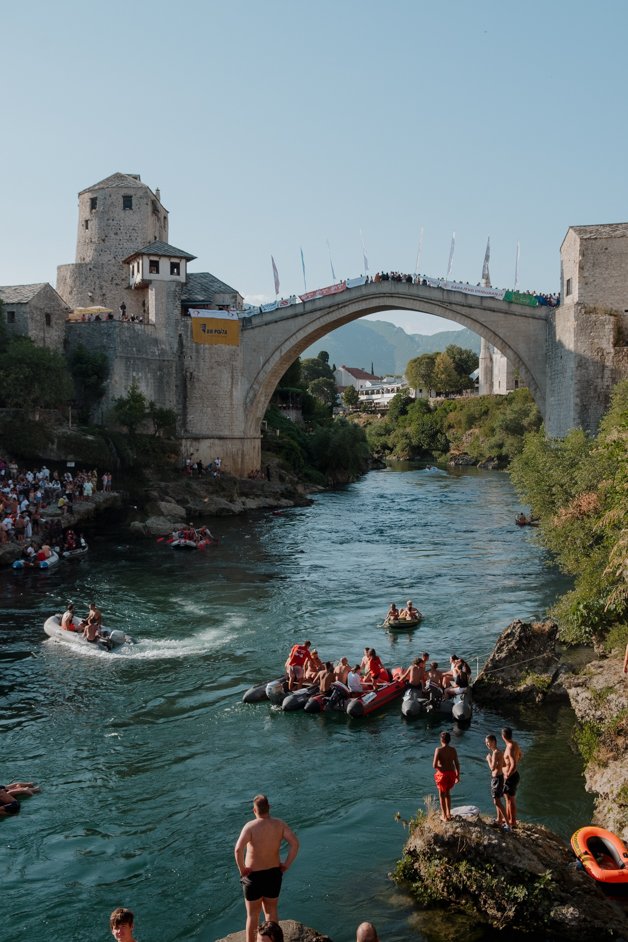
<point x="523" y="881"/>
<point x="292" y="932"/>
<point x="599" y="698"/>
<point x="524" y="666"/>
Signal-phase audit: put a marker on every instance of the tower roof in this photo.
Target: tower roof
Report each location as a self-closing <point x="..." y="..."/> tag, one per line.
<point x="160" y="248"/>
<point x="124" y="180"/>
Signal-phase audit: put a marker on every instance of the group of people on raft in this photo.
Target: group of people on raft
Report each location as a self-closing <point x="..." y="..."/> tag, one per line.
<point x="408" y="613"/>
<point x="190" y="534"/>
<point x="304" y="668"/>
<point x="90" y="626"/>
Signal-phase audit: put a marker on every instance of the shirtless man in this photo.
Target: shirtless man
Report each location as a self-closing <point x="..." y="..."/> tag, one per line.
<point x="415" y="674"/>
<point x="495" y="760"/>
<point x="512" y="757"/>
<point x="410" y="613"/>
<point x="9" y="805"/>
<point x="446" y="773"/>
<point x="67" y="619"/>
<point x="313" y="667"/>
<point x="93" y="623"/>
<point x="342" y="670"/>
<point x="435" y="677"/>
<point x="325" y="678"/>
<point x="259" y="862"/>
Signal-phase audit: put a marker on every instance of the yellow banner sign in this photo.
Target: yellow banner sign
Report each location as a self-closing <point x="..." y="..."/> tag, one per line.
<point x="215" y="330"/>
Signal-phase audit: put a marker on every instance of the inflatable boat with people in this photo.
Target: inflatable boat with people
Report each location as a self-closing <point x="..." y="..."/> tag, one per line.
<point x="108" y="640"/>
<point x="423" y="702"/>
<point x="39" y="560"/>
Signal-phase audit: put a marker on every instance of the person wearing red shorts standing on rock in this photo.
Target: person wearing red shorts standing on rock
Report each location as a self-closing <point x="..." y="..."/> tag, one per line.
<point x="446" y="773"/>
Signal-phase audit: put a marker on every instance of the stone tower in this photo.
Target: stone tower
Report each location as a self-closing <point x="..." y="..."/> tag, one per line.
<point x="117" y="217"/>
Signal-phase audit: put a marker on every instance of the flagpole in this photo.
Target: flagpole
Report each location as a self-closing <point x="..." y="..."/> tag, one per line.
<point x="419" y="251"/>
<point x="486" y="278"/>
<point x="331" y="264"/>
<point x="451" y="256"/>
<point x="303" y="267"/>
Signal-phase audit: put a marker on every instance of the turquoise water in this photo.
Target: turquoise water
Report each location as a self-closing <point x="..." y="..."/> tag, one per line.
<point x="148" y="759"/>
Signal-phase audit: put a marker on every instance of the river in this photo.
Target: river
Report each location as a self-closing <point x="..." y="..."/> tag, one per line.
<point x="148" y="759"/>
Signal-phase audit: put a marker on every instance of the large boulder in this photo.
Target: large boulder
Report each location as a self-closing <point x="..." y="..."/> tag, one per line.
<point x="525" y="880"/>
<point x="524" y="666"/>
<point x="292" y="932"/>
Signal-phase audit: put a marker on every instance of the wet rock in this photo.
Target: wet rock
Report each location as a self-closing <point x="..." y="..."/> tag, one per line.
<point x="166" y="508"/>
<point x="461" y="461"/>
<point x="292" y="932"/>
<point x="524" y="666"/>
<point x="159" y="526"/>
<point x="525" y="881"/>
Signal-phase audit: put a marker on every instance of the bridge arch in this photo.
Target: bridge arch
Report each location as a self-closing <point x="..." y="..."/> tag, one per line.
<point x="518" y="331"/>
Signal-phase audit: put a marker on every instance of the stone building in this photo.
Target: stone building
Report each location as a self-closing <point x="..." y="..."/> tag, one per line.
<point x="589" y="354"/>
<point x="496" y="375"/>
<point x="125" y="263"/>
<point x="35" y="311"/>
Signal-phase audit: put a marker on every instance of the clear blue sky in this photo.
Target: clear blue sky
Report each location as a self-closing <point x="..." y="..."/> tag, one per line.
<point x="275" y="125"/>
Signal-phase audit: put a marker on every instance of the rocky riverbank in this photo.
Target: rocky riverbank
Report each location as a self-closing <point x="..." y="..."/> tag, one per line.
<point x="524" y="881"/>
<point x="168" y="504"/>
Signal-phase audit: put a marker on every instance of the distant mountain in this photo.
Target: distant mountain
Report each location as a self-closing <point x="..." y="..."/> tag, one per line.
<point x="386" y="346"/>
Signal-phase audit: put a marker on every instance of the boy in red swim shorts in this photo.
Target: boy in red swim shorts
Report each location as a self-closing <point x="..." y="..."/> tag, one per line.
<point x="446" y="773"/>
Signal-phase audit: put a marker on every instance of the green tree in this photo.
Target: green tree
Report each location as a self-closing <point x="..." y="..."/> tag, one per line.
<point x="90" y="371"/>
<point x="164" y="420"/>
<point x="33" y="377"/>
<point x="465" y="362"/>
<point x="446" y="378"/>
<point x="340" y="451"/>
<point x="350" y="397"/>
<point x="323" y="389"/>
<point x="420" y="371"/>
<point x="398" y="406"/>
<point x="131" y="410"/>
<point x="579" y="488"/>
<point x="314" y="368"/>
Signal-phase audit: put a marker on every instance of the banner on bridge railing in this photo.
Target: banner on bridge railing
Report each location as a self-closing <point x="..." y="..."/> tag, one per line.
<point x="477" y="290"/>
<point x="323" y="292"/>
<point x="215" y="327"/>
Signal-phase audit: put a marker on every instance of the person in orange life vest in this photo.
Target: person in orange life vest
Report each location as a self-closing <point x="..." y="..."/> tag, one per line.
<point x="295" y="664"/>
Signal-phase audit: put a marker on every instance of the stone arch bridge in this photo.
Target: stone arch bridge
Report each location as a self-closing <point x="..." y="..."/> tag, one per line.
<point x="229" y="388"/>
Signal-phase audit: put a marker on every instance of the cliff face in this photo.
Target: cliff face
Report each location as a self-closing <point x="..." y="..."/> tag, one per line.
<point x="599" y="697"/>
<point x="526" y="667"/>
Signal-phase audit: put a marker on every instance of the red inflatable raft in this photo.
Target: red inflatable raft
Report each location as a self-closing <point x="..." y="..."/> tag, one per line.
<point x="604" y="857"/>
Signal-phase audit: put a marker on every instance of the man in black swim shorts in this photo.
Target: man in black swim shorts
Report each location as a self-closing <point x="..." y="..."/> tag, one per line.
<point x="257" y="854"/>
<point x="512" y="757"/>
<point x="8" y="803"/>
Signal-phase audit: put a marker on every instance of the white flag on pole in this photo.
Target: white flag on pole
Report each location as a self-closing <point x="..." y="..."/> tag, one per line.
<point x="275" y="276"/>
<point x="303" y="267"/>
<point x="486" y="278"/>
<point x="331" y="264"/>
<point x="418" y="253"/>
<point x="364" y="258"/>
<point x="451" y="256"/>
